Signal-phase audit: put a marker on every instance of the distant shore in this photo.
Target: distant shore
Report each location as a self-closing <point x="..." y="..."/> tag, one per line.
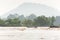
<point x="26" y="28"/>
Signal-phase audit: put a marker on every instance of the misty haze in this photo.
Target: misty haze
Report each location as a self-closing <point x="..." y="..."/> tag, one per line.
<point x="29" y="20"/>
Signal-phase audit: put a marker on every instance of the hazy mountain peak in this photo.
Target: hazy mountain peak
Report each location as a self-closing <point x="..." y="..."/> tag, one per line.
<point x="36" y="8"/>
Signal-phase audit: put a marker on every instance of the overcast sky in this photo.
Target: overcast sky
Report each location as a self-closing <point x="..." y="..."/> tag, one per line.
<point x="7" y="5"/>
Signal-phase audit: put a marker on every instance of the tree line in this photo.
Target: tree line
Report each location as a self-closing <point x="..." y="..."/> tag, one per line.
<point x="37" y="21"/>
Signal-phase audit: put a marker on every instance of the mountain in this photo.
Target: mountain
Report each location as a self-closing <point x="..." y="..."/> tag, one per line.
<point x="36" y="8"/>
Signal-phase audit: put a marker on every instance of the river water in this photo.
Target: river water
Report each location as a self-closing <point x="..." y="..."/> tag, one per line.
<point x="29" y="34"/>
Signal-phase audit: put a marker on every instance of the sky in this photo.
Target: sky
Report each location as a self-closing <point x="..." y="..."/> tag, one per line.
<point x="7" y="5"/>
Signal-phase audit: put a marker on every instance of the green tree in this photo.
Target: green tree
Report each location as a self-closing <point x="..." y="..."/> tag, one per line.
<point x="41" y="21"/>
<point x="52" y="20"/>
<point x="27" y="23"/>
<point x="2" y="22"/>
<point x="14" y="22"/>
